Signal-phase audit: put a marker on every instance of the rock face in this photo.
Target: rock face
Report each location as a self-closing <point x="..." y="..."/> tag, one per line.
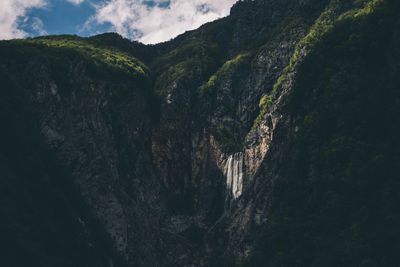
<point x="210" y="149"/>
<point x="97" y="128"/>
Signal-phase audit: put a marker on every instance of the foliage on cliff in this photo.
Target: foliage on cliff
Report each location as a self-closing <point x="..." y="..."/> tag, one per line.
<point x="89" y="50"/>
<point x="336" y="199"/>
<point x="187" y="64"/>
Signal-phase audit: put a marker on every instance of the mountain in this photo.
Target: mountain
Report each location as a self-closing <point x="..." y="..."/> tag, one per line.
<point x="266" y="138"/>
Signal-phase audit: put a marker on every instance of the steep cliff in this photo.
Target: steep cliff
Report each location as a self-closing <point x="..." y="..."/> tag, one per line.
<point x="266" y="138"/>
<point x="324" y="193"/>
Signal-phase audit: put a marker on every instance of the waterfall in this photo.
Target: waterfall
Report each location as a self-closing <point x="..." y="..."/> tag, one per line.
<point x="233" y="172"/>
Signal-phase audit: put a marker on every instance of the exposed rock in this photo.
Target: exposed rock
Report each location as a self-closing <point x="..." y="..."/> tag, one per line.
<point x="179" y="162"/>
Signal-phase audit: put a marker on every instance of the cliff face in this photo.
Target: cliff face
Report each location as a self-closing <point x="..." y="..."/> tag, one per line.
<point x="94" y="120"/>
<point x="249" y="141"/>
<point x="316" y="196"/>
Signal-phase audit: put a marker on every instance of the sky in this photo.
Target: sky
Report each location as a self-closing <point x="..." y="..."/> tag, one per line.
<point x="148" y="21"/>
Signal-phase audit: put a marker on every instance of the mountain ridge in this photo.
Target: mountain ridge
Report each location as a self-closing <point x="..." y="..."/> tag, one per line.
<point x="213" y="149"/>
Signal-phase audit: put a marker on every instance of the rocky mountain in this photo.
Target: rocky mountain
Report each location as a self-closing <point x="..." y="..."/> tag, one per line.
<point x="266" y="138"/>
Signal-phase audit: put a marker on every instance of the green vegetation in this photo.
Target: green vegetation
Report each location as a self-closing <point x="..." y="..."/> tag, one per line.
<point x="336" y="12"/>
<point x="112" y="58"/>
<point x="186" y="65"/>
<point x="336" y="201"/>
<point x="240" y="60"/>
<point x="226" y="140"/>
<point x="266" y="102"/>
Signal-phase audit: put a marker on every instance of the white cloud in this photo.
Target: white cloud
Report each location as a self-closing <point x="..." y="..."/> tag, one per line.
<point x="11" y="13"/>
<point x="37" y="25"/>
<point x="136" y="20"/>
<point x="75" y="2"/>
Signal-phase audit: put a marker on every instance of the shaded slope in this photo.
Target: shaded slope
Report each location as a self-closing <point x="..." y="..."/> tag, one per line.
<point x="81" y="119"/>
<point x="45" y="222"/>
<point x="143" y="133"/>
<point x="335" y="201"/>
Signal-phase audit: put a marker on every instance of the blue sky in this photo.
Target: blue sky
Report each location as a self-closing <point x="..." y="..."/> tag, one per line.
<point x="149" y="21"/>
<point x="62" y="17"/>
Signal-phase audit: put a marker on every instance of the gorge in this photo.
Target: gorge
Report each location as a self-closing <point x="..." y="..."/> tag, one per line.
<point x="265" y="138"/>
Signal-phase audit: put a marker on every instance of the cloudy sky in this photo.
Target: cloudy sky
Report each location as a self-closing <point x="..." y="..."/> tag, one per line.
<point x="149" y="21"/>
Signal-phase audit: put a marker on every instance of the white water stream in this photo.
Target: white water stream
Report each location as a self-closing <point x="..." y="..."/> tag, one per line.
<point x="233" y="172"/>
